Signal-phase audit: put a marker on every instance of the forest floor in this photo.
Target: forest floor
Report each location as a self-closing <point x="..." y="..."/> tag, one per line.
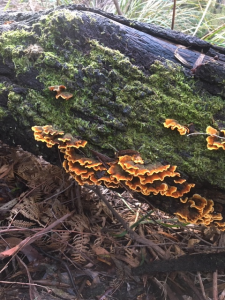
<point x="62" y="241"/>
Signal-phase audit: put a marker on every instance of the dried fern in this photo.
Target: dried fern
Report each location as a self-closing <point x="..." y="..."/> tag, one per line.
<point x="78" y="223"/>
<point x="27" y="208"/>
<point x="80" y="248"/>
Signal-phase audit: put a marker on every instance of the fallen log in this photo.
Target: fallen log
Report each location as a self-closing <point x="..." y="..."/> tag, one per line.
<point x="123" y="80"/>
<point x="204" y="262"/>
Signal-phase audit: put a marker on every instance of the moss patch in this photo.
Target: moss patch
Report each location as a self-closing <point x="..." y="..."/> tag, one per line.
<point x="3" y="113"/>
<point x="114" y="102"/>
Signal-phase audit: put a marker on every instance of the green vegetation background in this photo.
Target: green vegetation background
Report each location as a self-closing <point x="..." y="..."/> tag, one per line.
<point x="203" y="18"/>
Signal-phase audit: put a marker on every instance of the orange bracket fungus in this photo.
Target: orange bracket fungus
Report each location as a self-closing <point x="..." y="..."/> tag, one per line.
<point x="127" y="168"/>
<point x="215" y="140"/>
<point x="64" y="95"/>
<point x="59" y="89"/>
<point x="198" y="210"/>
<point x="173" y="124"/>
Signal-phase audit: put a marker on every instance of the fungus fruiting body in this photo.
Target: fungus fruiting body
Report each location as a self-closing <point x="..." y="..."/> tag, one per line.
<point x="173" y="124"/>
<point x="198" y="210"/>
<point x="214" y="142"/>
<point x="57" y="88"/>
<point x="60" y="92"/>
<point x="131" y="171"/>
<point x="64" y="95"/>
<point x="128" y="169"/>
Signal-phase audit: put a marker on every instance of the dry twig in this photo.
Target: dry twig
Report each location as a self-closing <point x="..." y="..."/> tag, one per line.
<point x="117" y="7"/>
<point x="215" y="287"/>
<point x="201" y="284"/>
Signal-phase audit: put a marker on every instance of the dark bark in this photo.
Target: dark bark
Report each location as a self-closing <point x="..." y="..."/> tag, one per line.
<point x="108" y="105"/>
<point x="204" y="262"/>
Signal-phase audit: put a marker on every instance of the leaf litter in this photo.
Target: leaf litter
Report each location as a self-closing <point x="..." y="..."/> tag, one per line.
<point x="63" y="241"/>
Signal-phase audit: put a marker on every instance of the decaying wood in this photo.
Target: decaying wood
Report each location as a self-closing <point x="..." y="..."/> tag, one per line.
<point x="107" y="108"/>
<point x="187" y="263"/>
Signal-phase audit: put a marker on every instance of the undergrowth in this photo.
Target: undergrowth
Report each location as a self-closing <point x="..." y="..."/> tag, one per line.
<point x="49" y="223"/>
<point x="204" y="18"/>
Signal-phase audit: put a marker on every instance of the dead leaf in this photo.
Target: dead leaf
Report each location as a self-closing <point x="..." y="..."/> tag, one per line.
<point x="178" y="251"/>
<point x="99" y="250"/>
<point x="192" y="242"/>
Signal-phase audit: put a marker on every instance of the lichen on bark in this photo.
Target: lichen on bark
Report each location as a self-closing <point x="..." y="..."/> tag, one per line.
<point x="115" y="102"/>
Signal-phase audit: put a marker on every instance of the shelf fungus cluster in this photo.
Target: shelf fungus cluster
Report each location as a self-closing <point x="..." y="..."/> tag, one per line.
<point x="198" y="210"/>
<point x="124" y="170"/>
<point x="173" y="124"/>
<point x="60" y="92"/>
<point x="216" y="139"/>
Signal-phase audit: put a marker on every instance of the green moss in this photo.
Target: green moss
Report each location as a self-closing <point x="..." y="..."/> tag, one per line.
<point x="114" y="102"/>
<point x="12" y="44"/>
<point x="3" y="113"/>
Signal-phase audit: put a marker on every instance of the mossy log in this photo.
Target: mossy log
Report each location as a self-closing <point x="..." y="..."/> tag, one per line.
<point x="126" y="78"/>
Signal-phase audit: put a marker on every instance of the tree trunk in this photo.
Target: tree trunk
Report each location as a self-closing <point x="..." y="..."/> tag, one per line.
<point x="126" y="78"/>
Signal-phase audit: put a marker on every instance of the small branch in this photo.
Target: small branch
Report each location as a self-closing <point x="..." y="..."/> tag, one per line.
<point x="118" y="7"/>
<point x="174" y="12"/>
<point x="191" y="285"/>
<point x="67" y="269"/>
<point x="34" y="294"/>
<point x="215" y="287"/>
<point x="203" y="133"/>
<point x="58" y="193"/>
<point x="201" y="284"/>
<point x="78" y="198"/>
<point x="29" y="240"/>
